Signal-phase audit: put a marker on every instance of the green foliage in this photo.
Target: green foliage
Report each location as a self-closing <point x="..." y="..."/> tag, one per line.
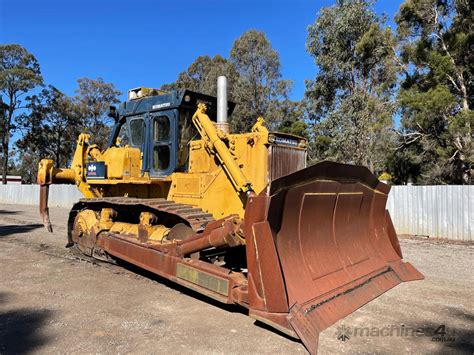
<point x="50" y="120"/>
<point x="19" y="70"/>
<point x="50" y="130"/>
<point x="201" y="76"/>
<point x="54" y="121"/>
<point x="259" y="87"/>
<point x="93" y="99"/>
<point x="19" y="73"/>
<point x="436" y="95"/>
<point x="253" y="73"/>
<point x="289" y="119"/>
<point x="350" y="100"/>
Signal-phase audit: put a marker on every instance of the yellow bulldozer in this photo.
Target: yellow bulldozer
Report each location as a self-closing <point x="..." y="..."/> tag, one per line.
<point x="236" y="217"/>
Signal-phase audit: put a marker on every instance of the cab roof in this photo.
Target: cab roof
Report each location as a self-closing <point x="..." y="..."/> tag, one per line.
<point x="170" y="100"/>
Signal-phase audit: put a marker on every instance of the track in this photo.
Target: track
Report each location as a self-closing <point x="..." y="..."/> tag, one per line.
<point x="196" y="218"/>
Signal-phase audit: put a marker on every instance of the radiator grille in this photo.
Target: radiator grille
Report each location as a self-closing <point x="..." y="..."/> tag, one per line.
<point x="285" y="160"/>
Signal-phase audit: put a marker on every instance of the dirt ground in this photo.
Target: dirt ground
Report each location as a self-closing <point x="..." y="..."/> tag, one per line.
<point x="51" y="301"/>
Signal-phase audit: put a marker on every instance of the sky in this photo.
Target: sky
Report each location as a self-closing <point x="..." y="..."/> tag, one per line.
<point x="147" y="43"/>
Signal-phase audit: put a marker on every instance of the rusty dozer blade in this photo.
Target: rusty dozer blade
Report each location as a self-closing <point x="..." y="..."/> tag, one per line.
<point x="334" y="241"/>
<point x="43" y="207"/>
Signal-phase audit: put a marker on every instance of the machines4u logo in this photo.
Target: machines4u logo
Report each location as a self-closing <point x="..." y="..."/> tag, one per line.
<point x="343" y="333"/>
<point x="440" y="333"/>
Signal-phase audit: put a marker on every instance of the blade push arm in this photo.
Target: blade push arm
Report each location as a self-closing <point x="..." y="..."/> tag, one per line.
<point x="211" y="136"/>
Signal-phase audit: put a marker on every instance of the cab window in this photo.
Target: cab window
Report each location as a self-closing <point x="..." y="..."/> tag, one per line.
<point x="123" y="136"/>
<point x="186" y="133"/>
<point x="137" y="131"/>
<point x="162" y="145"/>
<point x="161" y="157"/>
<point x="161" y="129"/>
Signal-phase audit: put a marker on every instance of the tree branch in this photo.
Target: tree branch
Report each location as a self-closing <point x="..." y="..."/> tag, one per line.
<point x="462" y="86"/>
<point x="451" y="79"/>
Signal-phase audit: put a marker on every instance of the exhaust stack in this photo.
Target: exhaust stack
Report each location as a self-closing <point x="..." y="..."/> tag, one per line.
<point x="222" y="123"/>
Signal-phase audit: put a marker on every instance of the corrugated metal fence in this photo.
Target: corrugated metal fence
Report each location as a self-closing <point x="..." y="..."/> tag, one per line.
<point x="59" y="195"/>
<point x="435" y="211"/>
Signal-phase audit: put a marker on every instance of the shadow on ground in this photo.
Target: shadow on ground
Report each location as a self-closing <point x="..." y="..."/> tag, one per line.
<point x="463" y="338"/>
<point x="6" y="230"/>
<point x="20" y="329"/>
<point x="450" y="339"/>
<point x="184" y="290"/>
<point x="199" y="296"/>
<point x="9" y="212"/>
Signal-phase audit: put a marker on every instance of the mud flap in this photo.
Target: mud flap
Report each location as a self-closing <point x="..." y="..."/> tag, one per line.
<point x="336" y="245"/>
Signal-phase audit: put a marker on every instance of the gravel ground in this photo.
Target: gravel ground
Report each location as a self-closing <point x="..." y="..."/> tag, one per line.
<point x="51" y="301"/>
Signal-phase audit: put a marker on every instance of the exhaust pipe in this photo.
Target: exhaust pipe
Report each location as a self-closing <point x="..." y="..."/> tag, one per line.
<point x="222" y="123"/>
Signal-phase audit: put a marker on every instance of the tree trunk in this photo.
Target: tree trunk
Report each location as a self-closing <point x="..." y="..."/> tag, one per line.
<point x="6" y="138"/>
<point x="465" y="102"/>
<point x="58" y="150"/>
<point x="5" y="159"/>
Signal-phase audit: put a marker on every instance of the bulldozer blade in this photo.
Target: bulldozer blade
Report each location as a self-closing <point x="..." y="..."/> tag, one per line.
<point x="335" y="246"/>
<point x="43" y="207"/>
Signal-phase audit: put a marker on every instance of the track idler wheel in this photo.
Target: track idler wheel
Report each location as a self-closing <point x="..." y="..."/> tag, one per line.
<point x="84" y="231"/>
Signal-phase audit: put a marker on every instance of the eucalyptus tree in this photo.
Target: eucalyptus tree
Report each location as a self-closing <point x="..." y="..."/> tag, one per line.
<point x="437" y="93"/>
<point x="260" y="89"/>
<point x="93" y="99"/>
<point x="351" y="102"/>
<point x="19" y="74"/>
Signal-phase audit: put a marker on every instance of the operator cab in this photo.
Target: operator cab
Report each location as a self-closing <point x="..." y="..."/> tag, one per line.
<point x="160" y="124"/>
